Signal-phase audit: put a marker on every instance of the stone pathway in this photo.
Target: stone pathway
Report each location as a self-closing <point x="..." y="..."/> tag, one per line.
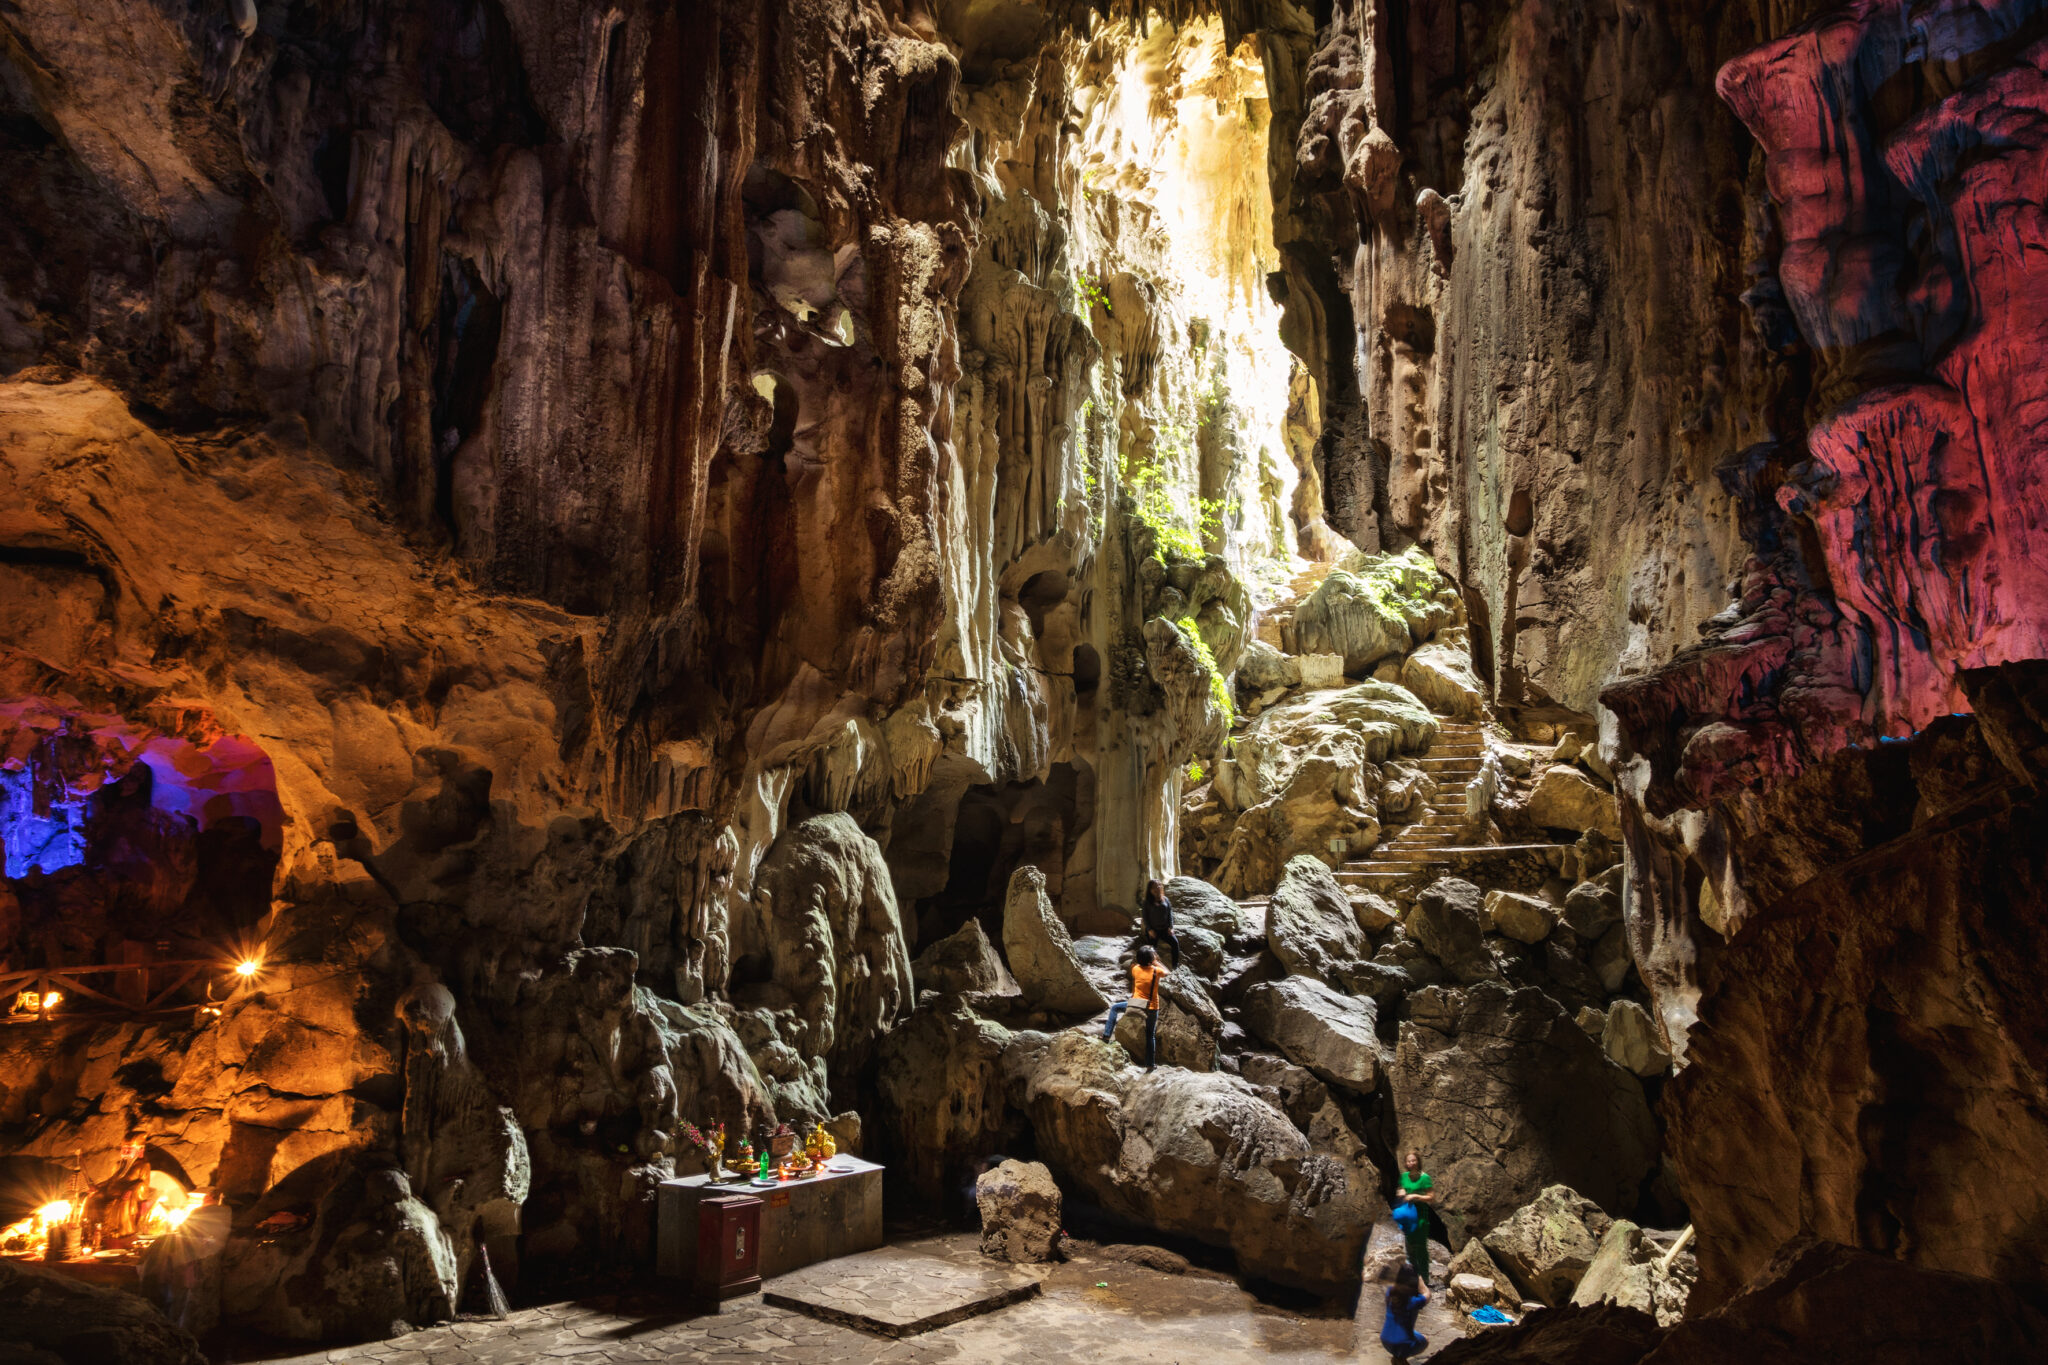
<point x="1089" y="1309"/>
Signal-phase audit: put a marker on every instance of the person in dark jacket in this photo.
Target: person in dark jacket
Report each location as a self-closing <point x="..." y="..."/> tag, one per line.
<point x="1405" y="1298"/>
<point x="1159" y="920"/>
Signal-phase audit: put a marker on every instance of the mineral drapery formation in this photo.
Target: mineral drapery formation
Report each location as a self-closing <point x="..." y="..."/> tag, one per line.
<point x="640" y="564"/>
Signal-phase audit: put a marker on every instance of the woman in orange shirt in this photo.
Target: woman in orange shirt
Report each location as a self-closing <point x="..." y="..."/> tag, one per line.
<point x="1144" y="991"/>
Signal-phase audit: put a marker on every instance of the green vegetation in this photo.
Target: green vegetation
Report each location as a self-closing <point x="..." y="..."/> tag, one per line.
<point x="1173" y="535"/>
<point x="1219" y="686"/>
<point x="1195" y="773"/>
<point x="1092" y="293"/>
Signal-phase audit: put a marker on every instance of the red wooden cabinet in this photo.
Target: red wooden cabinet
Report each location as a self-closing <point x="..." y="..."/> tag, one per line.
<point x="728" y="1246"/>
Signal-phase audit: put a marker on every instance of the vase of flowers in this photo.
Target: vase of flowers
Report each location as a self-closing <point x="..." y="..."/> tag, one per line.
<point x="710" y="1142"/>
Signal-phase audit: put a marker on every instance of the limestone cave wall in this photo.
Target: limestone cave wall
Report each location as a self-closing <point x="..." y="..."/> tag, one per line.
<point x="584" y="538"/>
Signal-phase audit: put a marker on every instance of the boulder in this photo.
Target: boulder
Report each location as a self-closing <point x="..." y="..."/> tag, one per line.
<point x="1525" y="919"/>
<point x="1344" y="616"/>
<point x="1041" y="953"/>
<point x="1504" y="1094"/>
<point x="1305" y="776"/>
<point x="376" y="1263"/>
<point x="1448" y="922"/>
<point x="1612" y="960"/>
<point x="1375" y="606"/>
<point x="1472" y="1259"/>
<point x="1440" y="673"/>
<point x="1628" y="1269"/>
<point x="1591" y="910"/>
<point x="1470" y="1291"/>
<point x="1406" y="792"/>
<point x="939" y="1094"/>
<point x="1262" y="668"/>
<point x="1289" y="1088"/>
<point x="1335" y="1036"/>
<point x="1566" y="976"/>
<point x="1197" y="1155"/>
<point x="1631" y="1041"/>
<point x="1565" y="798"/>
<point x="1202" y="949"/>
<point x="1020" y="1212"/>
<point x="1591" y="856"/>
<point x="963" y="963"/>
<point x="1311" y="927"/>
<point x="1202" y="906"/>
<point x="1593" y="1020"/>
<point x="1106" y="961"/>
<point x="1547" y="1244"/>
<point x="1374" y="913"/>
<point x="86" y="1324"/>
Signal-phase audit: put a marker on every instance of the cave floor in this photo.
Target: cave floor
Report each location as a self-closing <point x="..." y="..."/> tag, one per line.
<point x="1090" y="1308"/>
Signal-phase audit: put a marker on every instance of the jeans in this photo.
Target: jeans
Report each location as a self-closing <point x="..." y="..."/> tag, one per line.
<point x="1116" y="1012"/>
<point x="1165" y="938"/>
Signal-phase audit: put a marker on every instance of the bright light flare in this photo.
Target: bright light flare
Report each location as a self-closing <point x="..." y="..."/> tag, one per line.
<point x="56" y="1211"/>
<point x="247" y="967"/>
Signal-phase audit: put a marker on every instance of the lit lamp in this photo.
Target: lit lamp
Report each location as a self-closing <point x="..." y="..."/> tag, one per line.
<point x="246" y="968"/>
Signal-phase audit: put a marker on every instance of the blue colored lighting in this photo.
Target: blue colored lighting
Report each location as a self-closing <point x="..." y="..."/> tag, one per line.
<point x="48" y="841"/>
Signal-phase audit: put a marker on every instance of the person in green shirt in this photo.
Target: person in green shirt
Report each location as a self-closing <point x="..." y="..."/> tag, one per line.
<point x="1417" y="1188"/>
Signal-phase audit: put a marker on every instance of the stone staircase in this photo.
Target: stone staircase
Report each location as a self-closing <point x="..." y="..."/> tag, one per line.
<point x="1415" y="851"/>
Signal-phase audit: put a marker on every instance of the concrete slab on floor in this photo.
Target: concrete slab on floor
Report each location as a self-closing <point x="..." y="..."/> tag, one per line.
<point x="900" y="1291"/>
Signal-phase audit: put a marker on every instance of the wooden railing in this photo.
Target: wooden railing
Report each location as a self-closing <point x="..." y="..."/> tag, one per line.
<point x="77" y="998"/>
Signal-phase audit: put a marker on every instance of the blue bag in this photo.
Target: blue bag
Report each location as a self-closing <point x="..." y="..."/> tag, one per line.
<point x="1406" y="1215"/>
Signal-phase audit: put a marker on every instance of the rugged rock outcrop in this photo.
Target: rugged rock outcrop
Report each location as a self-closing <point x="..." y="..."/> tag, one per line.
<point x="940" y="1094"/>
<point x="1448" y="923"/>
<point x="1333" y="1035"/>
<point x="1816" y="1302"/>
<point x="1040" y="951"/>
<point x="1504" y="1095"/>
<point x="85" y="1324"/>
<point x="1304" y="779"/>
<point x="1632" y="1270"/>
<point x="1311" y="928"/>
<point x="1547" y="1244"/>
<point x="1196" y="1155"/>
<point x="577" y="537"/>
<point x="961" y="963"/>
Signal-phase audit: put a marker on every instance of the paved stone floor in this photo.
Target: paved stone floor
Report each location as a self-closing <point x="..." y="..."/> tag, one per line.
<point x="1091" y="1308"/>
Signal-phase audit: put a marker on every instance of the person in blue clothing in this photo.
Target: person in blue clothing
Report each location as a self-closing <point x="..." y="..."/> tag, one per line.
<point x="1405" y="1298"/>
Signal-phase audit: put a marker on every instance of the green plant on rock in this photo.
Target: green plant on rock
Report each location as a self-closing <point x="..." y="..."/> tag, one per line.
<point x="1195" y="773"/>
<point x="1092" y="293"/>
<point x="1173" y="535"/>
<point x="1219" y="686"/>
